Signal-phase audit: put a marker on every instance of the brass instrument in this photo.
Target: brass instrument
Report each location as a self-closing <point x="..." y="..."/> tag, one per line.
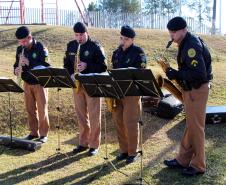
<point x="19" y="79"/>
<point x="76" y="62"/>
<point x="172" y="86"/>
<point x="162" y="60"/>
<point x="111" y="103"/>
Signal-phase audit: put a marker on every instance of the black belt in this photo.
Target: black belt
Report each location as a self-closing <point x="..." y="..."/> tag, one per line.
<point x="187" y="86"/>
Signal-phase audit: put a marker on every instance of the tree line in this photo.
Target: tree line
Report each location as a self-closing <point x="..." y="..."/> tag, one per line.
<point x="202" y="10"/>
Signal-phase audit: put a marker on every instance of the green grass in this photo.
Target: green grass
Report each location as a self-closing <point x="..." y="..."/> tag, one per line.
<point x="160" y="137"/>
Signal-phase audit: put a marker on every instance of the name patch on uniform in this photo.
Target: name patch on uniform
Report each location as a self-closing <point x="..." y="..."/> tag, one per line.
<point x="71" y="53"/>
<point x="191" y="52"/>
<point x="34" y="55"/>
<point x="194" y="63"/>
<point x="86" y="53"/>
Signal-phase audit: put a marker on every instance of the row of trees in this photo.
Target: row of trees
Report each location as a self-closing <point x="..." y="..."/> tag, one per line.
<point x="201" y="9"/>
<point x="130" y="6"/>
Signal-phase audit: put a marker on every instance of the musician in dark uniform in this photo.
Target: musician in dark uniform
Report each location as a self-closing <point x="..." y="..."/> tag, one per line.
<point x="31" y="54"/>
<point x="126" y="114"/>
<point x="193" y="74"/>
<point x="91" y="60"/>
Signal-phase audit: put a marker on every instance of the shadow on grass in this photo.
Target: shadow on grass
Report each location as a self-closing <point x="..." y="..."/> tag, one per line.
<point x="173" y="176"/>
<point x="13" y="151"/>
<point x="85" y="177"/>
<point x="149" y="167"/>
<point x="155" y="174"/>
<point x="15" y="41"/>
<point x="177" y="131"/>
<point x="73" y="141"/>
<point x="216" y="133"/>
<point x="213" y="176"/>
<point x="89" y="175"/>
<point x="33" y="170"/>
<point x="151" y="125"/>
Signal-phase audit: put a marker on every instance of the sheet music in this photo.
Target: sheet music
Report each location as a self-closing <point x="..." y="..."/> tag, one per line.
<point x="125" y="68"/>
<point x="94" y="74"/>
<point x="39" y="67"/>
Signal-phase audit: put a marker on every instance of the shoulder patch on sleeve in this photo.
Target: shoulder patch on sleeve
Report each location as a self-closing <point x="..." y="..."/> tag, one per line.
<point x="143" y="57"/>
<point x="143" y="60"/>
<point x="191" y="52"/>
<point x="71" y="53"/>
<point x="194" y="63"/>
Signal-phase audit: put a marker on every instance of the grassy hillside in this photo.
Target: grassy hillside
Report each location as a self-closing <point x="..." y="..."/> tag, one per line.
<point x="161" y="137"/>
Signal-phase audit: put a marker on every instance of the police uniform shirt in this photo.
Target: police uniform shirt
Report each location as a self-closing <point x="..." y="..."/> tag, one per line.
<point x="37" y="55"/>
<point x="90" y="52"/>
<point x="194" y="60"/>
<point x="132" y="57"/>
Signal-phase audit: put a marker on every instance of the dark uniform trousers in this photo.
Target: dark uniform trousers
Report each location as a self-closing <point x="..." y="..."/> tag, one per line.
<point x="88" y="110"/>
<point x="126" y="116"/>
<point x="36" y="98"/>
<point x="192" y="148"/>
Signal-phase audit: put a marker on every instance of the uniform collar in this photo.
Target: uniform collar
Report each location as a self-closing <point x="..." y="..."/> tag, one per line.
<point x="126" y="49"/>
<point x="34" y="42"/>
<point x="184" y="40"/>
<point x="88" y="40"/>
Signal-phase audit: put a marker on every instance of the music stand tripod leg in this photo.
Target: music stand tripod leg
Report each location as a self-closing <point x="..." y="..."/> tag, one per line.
<point x="58" y="120"/>
<point x="10" y="120"/>
<point x="106" y="159"/>
<point x="141" y="152"/>
<point x="10" y="145"/>
<point x="58" y="149"/>
<point x="141" y="124"/>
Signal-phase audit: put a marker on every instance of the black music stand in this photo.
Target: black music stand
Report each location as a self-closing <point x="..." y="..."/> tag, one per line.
<point x="54" y="78"/>
<point x="101" y="85"/>
<point x="119" y="84"/>
<point x="137" y="82"/>
<point x="8" y="85"/>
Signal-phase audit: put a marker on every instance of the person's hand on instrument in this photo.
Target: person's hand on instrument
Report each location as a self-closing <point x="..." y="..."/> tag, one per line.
<point x="81" y="66"/>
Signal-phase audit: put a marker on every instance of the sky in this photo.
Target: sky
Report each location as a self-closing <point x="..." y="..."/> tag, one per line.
<point x="70" y="4"/>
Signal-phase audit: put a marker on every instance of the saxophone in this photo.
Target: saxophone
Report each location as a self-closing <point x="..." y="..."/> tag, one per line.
<point x="19" y="78"/>
<point x="76" y="62"/>
<point x="172" y="86"/>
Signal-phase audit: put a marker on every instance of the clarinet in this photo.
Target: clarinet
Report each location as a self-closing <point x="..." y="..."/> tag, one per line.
<point x="19" y="78"/>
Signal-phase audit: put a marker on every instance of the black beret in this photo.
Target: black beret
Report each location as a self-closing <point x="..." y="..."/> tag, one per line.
<point x="79" y="27"/>
<point x="176" y="23"/>
<point x="22" y="32"/>
<point x="127" y="31"/>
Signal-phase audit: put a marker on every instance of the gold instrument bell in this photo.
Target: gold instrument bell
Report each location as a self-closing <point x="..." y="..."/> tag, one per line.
<point x="172" y="86"/>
